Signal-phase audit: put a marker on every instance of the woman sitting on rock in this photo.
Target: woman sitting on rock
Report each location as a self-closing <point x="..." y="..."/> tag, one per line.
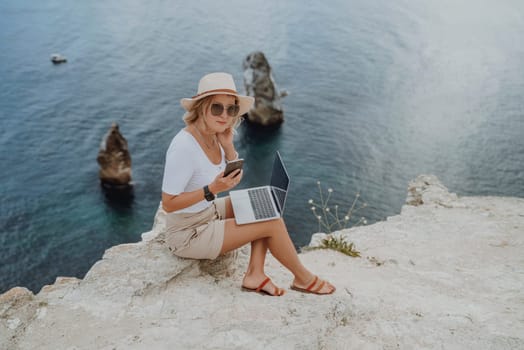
<point x="201" y="226"/>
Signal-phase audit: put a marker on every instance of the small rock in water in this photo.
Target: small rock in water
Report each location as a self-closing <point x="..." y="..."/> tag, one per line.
<point x="56" y="58"/>
<point x="259" y="83"/>
<point x="114" y="160"/>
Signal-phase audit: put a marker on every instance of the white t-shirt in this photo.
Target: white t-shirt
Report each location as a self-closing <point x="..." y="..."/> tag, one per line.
<point x="188" y="169"/>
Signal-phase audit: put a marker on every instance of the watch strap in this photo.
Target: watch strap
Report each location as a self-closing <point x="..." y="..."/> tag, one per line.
<point x="208" y="195"/>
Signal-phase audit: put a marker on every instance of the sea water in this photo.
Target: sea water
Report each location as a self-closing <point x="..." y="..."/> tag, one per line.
<point x="379" y="92"/>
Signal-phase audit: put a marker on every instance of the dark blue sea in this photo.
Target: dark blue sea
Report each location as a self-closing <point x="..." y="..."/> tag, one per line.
<point x="379" y="92"/>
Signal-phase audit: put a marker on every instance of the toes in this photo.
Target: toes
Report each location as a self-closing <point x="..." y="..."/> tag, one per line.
<point x="277" y="291"/>
<point x="329" y="288"/>
<point x="323" y="287"/>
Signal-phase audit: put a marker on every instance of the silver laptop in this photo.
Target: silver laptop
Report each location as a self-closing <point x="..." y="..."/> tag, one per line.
<point x="262" y="203"/>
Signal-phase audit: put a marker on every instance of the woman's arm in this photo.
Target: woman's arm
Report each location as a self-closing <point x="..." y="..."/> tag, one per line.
<point x="183" y="200"/>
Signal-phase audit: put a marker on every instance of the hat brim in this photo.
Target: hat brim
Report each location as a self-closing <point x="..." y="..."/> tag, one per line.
<point x="244" y="102"/>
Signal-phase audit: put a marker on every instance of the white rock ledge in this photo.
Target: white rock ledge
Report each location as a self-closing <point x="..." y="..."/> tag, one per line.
<point x="447" y="273"/>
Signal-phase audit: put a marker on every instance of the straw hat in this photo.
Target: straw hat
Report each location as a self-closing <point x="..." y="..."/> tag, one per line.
<point x="218" y="84"/>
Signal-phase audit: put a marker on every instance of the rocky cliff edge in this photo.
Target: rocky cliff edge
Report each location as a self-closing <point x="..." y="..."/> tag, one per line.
<point x="447" y="273"/>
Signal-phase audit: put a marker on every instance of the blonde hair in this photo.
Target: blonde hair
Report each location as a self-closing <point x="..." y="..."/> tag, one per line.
<point x="199" y="108"/>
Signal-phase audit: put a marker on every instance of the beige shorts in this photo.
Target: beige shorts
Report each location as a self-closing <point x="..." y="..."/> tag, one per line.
<point x="197" y="235"/>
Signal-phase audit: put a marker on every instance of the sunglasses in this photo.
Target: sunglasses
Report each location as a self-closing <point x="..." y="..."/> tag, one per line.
<point x="218" y="108"/>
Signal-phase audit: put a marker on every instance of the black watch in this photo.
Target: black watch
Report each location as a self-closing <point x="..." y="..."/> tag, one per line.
<point x="207" y="194"/>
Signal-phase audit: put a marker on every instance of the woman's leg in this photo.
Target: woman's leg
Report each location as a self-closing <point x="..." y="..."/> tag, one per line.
<point x="278" y="242"/>
<point x="257" y="259"/>
<point x="259" y="247"/>
<point x="255" y="274"/>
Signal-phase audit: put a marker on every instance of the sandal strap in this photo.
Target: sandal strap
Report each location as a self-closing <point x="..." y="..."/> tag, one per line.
<point x="262" y="284"/>
<point x="320" y="286"/>
<point x="312" y="284"/>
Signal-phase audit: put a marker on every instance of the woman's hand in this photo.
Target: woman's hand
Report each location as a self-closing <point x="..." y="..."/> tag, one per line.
<point x="223" y="183"/>
<point x="226" y="141"/>
<point x="226" y="138"/>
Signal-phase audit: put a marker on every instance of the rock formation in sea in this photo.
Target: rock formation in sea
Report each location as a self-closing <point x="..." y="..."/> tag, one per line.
<point x="114" y="160"/>
<point x="446" y="273"/>
<point x="259" y="83"/>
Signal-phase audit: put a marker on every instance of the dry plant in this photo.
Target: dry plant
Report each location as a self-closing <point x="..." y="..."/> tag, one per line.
<point x="330" y="219"/>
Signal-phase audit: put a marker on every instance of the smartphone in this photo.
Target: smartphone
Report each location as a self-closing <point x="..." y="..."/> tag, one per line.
<point x="233" y="165"/>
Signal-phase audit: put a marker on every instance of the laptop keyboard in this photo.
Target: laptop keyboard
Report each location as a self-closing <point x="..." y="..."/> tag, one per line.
<point x="261" y="203"/>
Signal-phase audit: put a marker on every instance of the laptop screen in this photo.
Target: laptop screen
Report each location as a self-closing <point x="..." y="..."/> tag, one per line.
<point x="279" y="181"/>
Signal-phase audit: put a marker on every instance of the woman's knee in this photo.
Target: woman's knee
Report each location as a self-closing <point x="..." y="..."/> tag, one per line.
<point x="277" y="225"/>
<point x="282" y="223"/>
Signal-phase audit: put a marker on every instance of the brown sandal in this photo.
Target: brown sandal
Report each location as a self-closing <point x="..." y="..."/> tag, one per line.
<point x="310" y="289"/>
<point x="278" y="291"/>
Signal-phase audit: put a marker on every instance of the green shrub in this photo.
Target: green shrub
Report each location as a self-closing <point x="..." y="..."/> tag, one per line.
<point x="337" y="243"/>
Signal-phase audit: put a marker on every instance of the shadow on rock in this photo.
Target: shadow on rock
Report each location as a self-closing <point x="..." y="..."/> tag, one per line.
<point x="118" y="197"/>
<point x="256" y="133"/>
